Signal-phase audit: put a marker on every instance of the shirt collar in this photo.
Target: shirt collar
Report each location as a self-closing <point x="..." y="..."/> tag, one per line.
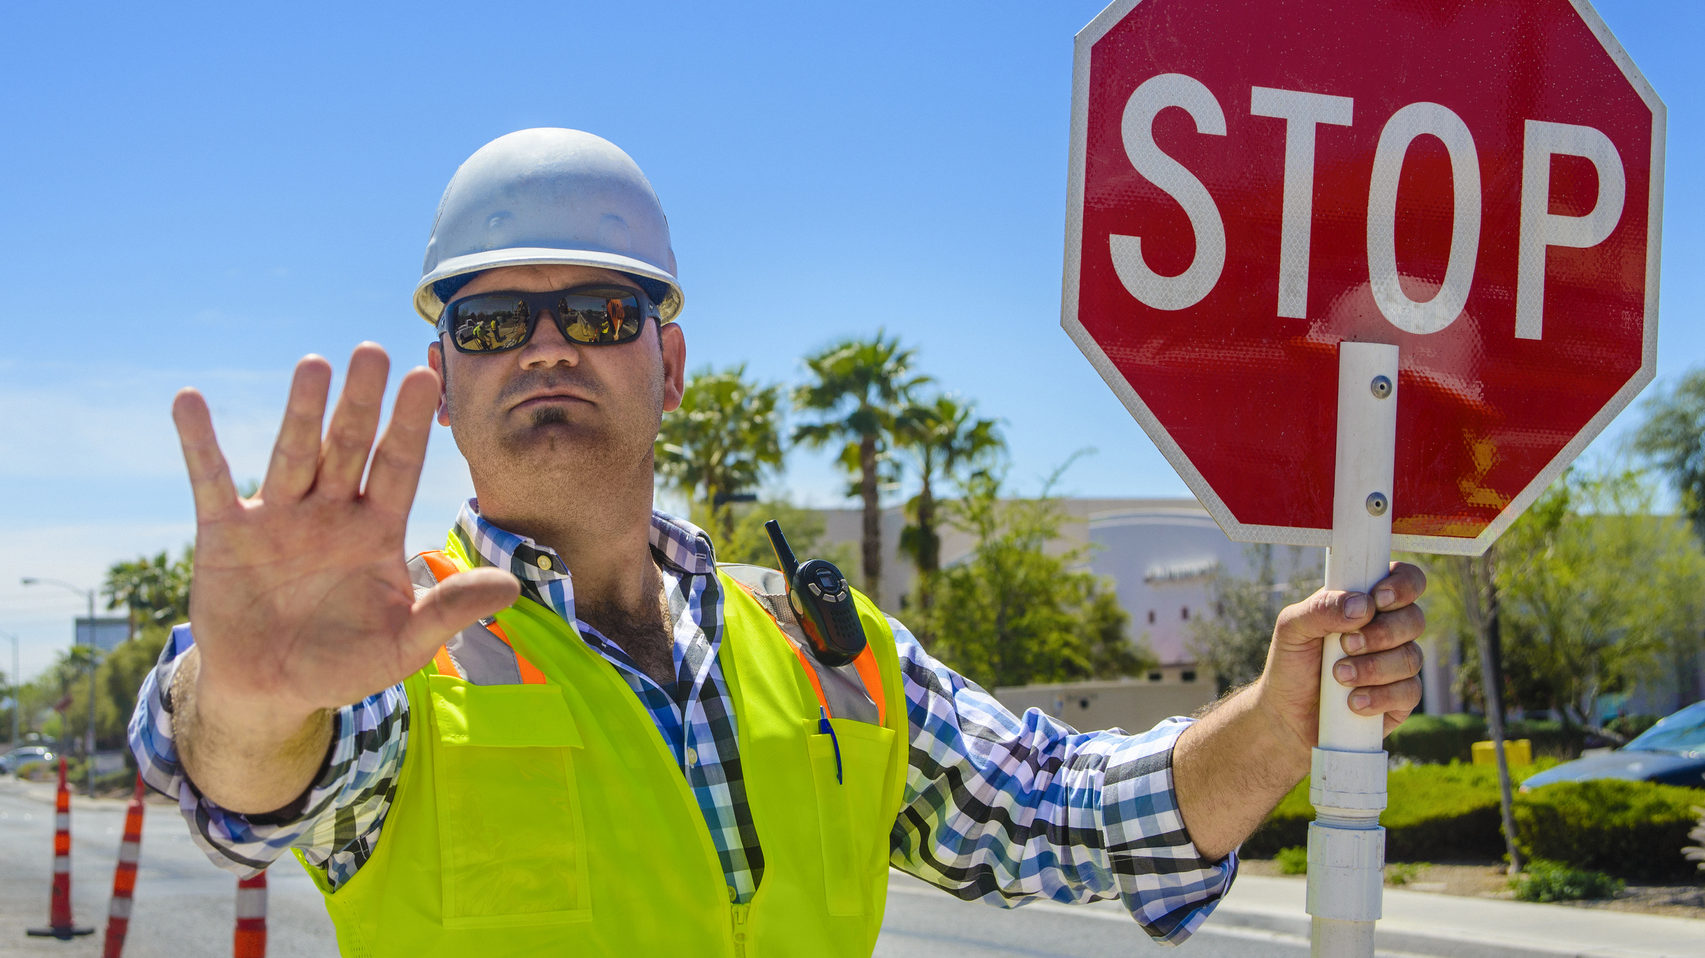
<point x="676" y="542"/>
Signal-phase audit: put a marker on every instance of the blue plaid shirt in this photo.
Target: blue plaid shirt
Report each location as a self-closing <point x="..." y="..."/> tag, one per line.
<point x="997" y="807"/>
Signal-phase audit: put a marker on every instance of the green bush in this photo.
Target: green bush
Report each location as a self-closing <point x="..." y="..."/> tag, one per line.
<point x="1554" y="881"/>
<point x="1293" y="860"/>
<point x="1436" y="739"/>
<point x="1441" y="739"/>
<point x="1434" y="812"/>
<point x="1398" y="874"/>
<point x="1634" y="830"/>
<point x="1549" y="738"/>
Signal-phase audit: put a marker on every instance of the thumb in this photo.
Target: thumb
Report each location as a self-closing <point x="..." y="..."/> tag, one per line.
<point x="456" y="603"/>
<point x="1303" y="625"/>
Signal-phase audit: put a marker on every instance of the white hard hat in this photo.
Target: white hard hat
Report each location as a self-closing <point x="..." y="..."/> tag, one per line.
<point x="548" y="195"/>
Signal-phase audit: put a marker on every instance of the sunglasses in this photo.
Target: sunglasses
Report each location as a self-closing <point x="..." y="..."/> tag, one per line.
<point x="585" y="315"/>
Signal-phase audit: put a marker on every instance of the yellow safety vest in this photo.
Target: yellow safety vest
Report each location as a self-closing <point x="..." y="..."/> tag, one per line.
<point x="545" y="815"/>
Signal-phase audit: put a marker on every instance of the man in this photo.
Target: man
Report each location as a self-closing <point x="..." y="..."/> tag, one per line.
<point x="571" y="729"/>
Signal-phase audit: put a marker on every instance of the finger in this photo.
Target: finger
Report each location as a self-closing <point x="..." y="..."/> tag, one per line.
<point x="349" y="438"/>
<point x="1379" y="668"/>
<point x="453" y="605"/>
<point x="1388" y="630"/>
<point x="1394" y="719"/>
<point x="392" y="481"/>
<point x="209" y="476"/>
<point x="1404" y="585"/>
<point x="1378" y="699"/>
<point x="296" y="453"/>
<point x="1307" y="622"/>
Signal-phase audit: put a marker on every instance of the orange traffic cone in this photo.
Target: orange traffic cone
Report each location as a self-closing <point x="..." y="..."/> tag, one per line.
<point x="251" y="918"/>
<point x="59" y="913"/>
<point x="124" y="877"/>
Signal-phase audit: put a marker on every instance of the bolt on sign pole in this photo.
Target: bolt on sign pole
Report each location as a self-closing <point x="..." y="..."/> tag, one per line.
<point x="1346" y="845"/>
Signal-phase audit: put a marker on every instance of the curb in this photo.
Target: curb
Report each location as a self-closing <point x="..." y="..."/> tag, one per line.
<point x="1386" y="939"/>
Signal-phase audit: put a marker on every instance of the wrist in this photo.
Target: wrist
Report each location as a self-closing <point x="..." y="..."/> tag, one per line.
<point x="259" y="724"/>
<point x="1278" y="730"/>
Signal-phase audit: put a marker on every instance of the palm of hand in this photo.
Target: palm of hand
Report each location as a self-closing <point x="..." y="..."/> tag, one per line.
<point x="301" y="598"/>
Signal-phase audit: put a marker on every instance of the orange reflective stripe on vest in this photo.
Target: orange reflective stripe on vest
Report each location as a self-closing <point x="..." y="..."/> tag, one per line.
<point x="473" y="644"/>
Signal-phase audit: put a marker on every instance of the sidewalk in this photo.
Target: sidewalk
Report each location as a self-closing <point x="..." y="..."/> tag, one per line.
<point x="1435" y="924"/>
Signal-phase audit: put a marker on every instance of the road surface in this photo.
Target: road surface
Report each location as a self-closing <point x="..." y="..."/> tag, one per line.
<point x="184" y="906"/>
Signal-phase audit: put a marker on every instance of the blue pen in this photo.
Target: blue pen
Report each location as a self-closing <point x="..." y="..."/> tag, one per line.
<point x="824" y="727"/>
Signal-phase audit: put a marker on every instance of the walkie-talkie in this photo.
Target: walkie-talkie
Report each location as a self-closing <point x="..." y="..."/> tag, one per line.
<point x="822" y="601"/>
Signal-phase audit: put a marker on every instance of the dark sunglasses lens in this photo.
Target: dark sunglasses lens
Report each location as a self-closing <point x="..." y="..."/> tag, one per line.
<point x="601" y="318"/>
<point x="488" y="323"/>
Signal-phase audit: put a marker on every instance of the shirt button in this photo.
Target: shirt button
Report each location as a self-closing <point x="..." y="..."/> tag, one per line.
<point x="692" y="757"/>
<point x="732" y="894"/>
<point x="545" y="563"/>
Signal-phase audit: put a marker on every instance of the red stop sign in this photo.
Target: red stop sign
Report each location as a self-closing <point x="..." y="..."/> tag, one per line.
<point x="1478" y="182"/>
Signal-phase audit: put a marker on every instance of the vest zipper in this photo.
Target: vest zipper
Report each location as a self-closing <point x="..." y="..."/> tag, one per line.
<point x="739" y="914"/>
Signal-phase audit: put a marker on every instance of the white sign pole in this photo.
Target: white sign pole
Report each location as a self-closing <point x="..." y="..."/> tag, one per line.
<point x="1346" y="845"/>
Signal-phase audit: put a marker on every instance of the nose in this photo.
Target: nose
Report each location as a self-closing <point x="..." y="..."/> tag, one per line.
<point x="548" y="346"/>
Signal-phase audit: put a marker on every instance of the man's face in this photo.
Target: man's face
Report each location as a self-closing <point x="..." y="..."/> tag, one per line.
<point x="554" y="409"/>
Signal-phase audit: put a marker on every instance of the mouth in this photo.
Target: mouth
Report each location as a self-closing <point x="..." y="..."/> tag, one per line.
<point x="553" y="398"/>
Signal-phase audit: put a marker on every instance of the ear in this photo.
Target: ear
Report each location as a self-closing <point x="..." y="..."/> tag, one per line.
<point x="674" y="346"/>
<point x="435" y="360"/>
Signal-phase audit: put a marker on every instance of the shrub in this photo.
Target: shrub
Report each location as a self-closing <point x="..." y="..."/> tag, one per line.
<point x="1436" y="739"/>
<point x="1554" y="881"/>
<point x="1441" y="739"/>
<point x="1398" y="874"/>
<point x="1293" y="860"/>
<point x="1634" y="830"/>
<point x="1548" y="737"/>
<point x="1434" y="812"/>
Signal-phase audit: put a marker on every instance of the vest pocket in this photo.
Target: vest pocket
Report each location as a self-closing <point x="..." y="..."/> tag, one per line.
<point x="510" y="832"/>
<point x="852" y="820"/>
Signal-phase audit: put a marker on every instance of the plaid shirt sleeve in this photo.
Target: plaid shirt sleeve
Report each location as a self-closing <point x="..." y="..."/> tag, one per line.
<point x="1009" y="809"/>
<point x="335" y="824"/>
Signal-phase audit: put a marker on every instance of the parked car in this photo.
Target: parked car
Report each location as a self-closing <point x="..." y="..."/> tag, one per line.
<point x="1671" y="752"/>
<point x="24" y="755"/>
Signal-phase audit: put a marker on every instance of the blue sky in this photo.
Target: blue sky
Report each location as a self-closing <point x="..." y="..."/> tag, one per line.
<point x="200" y="194"/>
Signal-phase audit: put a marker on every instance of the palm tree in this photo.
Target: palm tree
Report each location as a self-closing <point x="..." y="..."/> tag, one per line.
<point x="858" y="388"/>
<point x="155" y="590"/>
<point x="722" y="440"/>
<point x="943" y="437"/>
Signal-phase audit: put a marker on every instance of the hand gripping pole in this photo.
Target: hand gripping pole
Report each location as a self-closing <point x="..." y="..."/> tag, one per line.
<point x="1346" y="845"/>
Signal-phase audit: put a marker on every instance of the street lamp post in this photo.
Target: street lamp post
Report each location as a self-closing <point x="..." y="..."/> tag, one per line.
<point x="88" y="594"/>
<point x="16" y="680"/>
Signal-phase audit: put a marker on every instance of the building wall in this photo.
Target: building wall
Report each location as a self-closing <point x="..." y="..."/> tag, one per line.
<point x="1132" y="705"/>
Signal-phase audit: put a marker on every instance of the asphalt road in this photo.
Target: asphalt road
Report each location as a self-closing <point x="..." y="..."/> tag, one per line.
<point x="184" y="906"/>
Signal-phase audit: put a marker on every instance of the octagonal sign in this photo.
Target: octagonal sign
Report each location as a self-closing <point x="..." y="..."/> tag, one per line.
<point x="1478" y="182"/>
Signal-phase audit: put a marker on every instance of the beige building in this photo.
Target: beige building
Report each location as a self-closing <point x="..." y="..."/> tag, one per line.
<point x="1160" y="555"/>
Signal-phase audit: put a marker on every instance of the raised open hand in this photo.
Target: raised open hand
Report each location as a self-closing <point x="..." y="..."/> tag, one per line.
<point x="301" y="599"/>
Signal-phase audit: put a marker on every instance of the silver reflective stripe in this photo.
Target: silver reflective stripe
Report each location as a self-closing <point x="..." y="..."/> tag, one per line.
<point x="843" y="688"/>
<point x="421" y="575"/>
<point x="119" y="907"/>
<point x="251" y="902"/>
<point x="482" y="657"/>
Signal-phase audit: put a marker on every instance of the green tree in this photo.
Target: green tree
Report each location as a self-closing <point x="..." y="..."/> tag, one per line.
<point x="1591" y="591"/>
<point x="721" y="442"/>
<point x="748" y="542"/>
<point x="1021" y="609"/>
<point x="154" y="589"/>
<point x="1233" y="641"/>
<point x="1672" y="438"/>
<point x="943" y="438"/>
<point x="857" y="389"/>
